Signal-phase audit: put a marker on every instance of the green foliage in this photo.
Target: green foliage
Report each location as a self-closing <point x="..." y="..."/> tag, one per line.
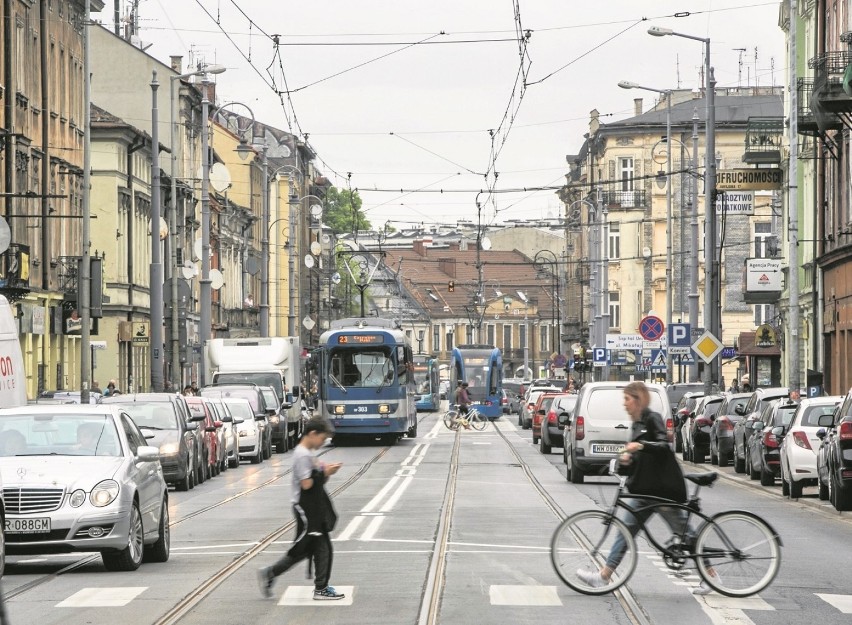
<point x="343" y="212"/>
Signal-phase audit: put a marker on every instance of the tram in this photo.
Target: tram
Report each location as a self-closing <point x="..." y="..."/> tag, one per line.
<point x="481" y="366"/>
<point x="427" y="383"/>
<point x="365" y="372"/>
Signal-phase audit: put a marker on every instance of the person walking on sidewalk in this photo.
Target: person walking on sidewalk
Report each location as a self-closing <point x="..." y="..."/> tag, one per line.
<point x="315" y="515"/>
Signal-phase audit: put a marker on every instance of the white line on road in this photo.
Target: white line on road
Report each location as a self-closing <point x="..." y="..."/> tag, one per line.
<point x="524" y="595"/>
<point x="381" y="494"/>
<point x="372" y="528"/>
<point x="102" y="597"/>
<point x="841" y="602"/>
<point x="391" y="502"/>
<point x="346" y="534"/>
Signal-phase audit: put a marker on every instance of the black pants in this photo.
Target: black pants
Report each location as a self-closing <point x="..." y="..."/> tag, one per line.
<point x="314" y="545"/>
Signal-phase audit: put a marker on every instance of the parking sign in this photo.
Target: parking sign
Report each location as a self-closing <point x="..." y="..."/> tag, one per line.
<point x="680" y="339"/>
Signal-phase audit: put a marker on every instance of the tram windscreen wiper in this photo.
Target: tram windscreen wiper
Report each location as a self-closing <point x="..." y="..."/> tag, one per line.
<point x="385" y="381"/>
<point x="337" y="382"/>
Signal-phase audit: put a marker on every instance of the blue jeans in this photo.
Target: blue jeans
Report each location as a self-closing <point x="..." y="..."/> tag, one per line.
<point x="675" y="517"/>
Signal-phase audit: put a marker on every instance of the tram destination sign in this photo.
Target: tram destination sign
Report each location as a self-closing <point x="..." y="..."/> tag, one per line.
<point x="749" y="179"/>
<point x="357" y="339"/>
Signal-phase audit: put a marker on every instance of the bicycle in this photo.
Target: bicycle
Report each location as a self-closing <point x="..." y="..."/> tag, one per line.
<point x="736" y="553"/>
<point x="453" y="419"/>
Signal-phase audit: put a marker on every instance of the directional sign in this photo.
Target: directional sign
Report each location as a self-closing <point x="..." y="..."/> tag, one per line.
<point x="707" y="347"/>
<point x="600" y="357"/>
<point x="680" y="338"/>
<point x="624" y="341"/>
<point x="658" y="359"/>
<point x="651" y="328"/>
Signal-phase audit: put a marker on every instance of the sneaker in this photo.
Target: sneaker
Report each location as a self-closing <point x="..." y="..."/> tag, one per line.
<point x="702" y="589"/>
<point x="591" y="578"/>
<point x="327" y="594"/>
<point x="265" y="578"/>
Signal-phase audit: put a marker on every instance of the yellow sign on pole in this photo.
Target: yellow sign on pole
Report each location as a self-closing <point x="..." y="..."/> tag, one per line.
<point x="749" y="179"/>
<point x="707" y="347"/>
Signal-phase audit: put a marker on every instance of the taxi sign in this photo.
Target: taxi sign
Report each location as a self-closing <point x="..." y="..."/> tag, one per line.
<point x="707" y="347"/>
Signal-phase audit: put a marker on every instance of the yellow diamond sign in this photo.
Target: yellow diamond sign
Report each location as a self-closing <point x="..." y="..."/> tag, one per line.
<point x="707" y="347"/>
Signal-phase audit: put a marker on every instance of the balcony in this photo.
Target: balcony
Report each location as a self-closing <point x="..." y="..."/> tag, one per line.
<point x="763" y="140"/>
<point x="67" y="268"/>
<point x="624" y="199"/>
<point x="830" y="72"/>
<point x="240" y="322"/>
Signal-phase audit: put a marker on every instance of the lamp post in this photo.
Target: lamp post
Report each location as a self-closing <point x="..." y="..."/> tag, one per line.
<point x="541" y="258"/>
<point x="293" y="200"/>
<point x="156" y="269"/>
<point x="668" y="94"/>
<point x="712" y="295"/>
<point x="203" y="70"/>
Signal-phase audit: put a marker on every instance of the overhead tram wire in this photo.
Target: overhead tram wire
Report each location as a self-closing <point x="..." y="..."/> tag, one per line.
<point x="443" y="158"/>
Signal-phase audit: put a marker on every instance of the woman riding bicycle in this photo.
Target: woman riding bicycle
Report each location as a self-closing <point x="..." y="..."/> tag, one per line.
<point x="462" y="398"/>
<point x="648" y="459"/>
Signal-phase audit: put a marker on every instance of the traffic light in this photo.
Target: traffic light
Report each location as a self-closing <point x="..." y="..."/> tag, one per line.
<point x="451" y="286"/>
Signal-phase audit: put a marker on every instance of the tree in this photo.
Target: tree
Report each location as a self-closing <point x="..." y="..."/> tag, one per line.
<point x="343" y="212"/>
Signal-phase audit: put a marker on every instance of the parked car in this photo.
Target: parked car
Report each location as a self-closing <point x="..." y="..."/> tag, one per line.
<point x="744" y="427"/>
<point x="85" y="480"/>
<point x="764" y="447"/>
<point x="250" y="438"/>
<point x="722" y="430"/>
<point x="200" y="407"/>
<point x="255" y="397"/>
<point x="525" y="417"/>
<point x="539" y="414"/>
<point x="681" y="413"/>
<point x="834" y="460"/>
<point x="504" y="401"/>
<point x="599" y="426"/>
<point x="163" y="421"/>
<point x="696" y="430"/>
<point x="277" y="418"/>
<point x="800" y="444"/>
<point x="551" y="430"/>
<point x="229" y="431"/>
<point x="675" y="392"/>
<point x="515" y="389"/>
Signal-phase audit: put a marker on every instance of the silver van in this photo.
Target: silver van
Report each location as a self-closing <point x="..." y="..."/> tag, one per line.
<point x="599" y="427"/>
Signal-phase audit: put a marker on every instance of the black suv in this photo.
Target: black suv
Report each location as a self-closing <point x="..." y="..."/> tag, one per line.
<point x="834" y="459"/>
<point x="262" y="411"/>
<point x="744" y="428"/>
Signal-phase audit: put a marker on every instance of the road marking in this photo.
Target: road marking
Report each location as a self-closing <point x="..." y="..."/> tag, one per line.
<point x="304" y="595"/>
<point x="721" y="602"/>
<point x="478" y="443"/>
<point x="351" y="528"/>
<point x="102" y="597"/>
<point x="524" y="595"/>
<point x="392" y="501"/>
<point x="372" y="528"/>
<point x="439" y="425"/>
<point x="841" y="602"/>
<point x="381" y="494"/>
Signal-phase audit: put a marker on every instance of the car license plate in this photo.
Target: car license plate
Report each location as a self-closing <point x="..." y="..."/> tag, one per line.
<point x="40" y="525"/>
<point x="607" y="449"/>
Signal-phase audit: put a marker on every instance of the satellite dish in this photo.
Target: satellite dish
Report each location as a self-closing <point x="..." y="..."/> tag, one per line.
<point x="220" y="177"/>
<point x="196" y="248"/>
<point x="252" y="266"/>
<point x="326" y="238"/>
<point x="164" y="229"/>
<point x="316" y="248"/>
<point x="316" y="211"/>
<point x="5" y="235"/>
<point x="308" y="323"/>
<point x="646" y="252"/>
<point x="309" y="261"/>
<point x="485" y="243"/>
<point x="188" y="270"/>
<point x="335" y="278"/>
<point x="283" y="151"/>
<point x="217" y="280"/>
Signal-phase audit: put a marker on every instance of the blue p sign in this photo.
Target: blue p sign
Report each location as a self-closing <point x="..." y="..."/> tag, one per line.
<point x="680" y="335"/>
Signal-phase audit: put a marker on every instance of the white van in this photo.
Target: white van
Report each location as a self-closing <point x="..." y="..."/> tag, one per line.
<point x="13" y="388"/>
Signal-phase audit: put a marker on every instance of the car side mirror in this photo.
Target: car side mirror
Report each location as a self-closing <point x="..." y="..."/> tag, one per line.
<point x="825" y="421"/>
<point x="147" y="453"/>
<point x="198" y="418"/>
<point x="227" y="419"/>
<point x="779" y="431"/>
<point x="271" y="412"/>
<point x="296" y="391"/>
<point x="217" y="424"/>
<point x="238" y="420"/>
<point x="192" y="426"/>
<point x="757" y="425"/>
<point x="260" y="417"/>
<point x="210" y="428"/>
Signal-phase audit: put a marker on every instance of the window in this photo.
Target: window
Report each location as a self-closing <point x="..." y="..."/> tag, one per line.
<point x="762" y="314"/>
<point x="490" y="335"/>
<point x="614" y="241"/>
<point x="762" y="236"/>
<point x="450" y="340"/>
<point x="625" y="172"/>
<point x="436" y="338"/>
<point x="469" y="333"/>
<point x="614" y="310"/>
<point x="134" y="437"/>
<point x="507" y="336"/>
<point x="522" y="335"/>
<point x="543" y="344"/>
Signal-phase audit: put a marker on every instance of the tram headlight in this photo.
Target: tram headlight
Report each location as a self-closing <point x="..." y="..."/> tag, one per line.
<point x="384" y="409"/>
<point x="339" y="410"/>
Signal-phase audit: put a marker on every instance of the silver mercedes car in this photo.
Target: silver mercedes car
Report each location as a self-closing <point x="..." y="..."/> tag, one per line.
<point x="82" y="478"/>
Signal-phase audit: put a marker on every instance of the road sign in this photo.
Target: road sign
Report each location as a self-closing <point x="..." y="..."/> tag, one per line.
<point x="651" y="328"/>
<point x="624" y="341"/>
<point x="599" y="357"/>
<point x="680" y="335"/>
<point x="658" y="359"/>
<point x="707" y="347"/>
<point x="729" y="352"/>
<point x="687" y="359"/>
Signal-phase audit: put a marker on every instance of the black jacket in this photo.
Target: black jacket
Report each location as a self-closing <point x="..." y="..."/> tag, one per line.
<point x="317" y="505"/>
<point x="654" y="470"/>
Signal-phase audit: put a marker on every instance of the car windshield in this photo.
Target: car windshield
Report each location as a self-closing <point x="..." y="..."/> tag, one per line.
<point x="58" y="435"/>
<point x="712" y="408"/>
<point x="269" y="396"/>
<point x="252" y="377"/>
<point x="733" y="404"/>
<point x="240" y="409"/>
<point x="784" y="416"/>
<point x="248" y="393"/>
<point x="153" y="416"/>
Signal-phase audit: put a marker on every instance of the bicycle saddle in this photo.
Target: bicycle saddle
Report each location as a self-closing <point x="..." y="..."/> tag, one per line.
<point x="702" y="479"/>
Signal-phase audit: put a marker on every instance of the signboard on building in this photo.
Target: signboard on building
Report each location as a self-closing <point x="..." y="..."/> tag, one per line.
<point x="763" y="280"/>
<point x="749" y="179"/>
<point x="624" y="341"/>
<point x="735" y="203"/>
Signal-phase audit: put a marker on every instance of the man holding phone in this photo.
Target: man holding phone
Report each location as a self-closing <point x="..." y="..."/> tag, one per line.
<point x="315" y="515"/>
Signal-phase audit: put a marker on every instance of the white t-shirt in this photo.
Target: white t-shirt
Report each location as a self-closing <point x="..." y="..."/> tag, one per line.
<point x="304" y="464"/>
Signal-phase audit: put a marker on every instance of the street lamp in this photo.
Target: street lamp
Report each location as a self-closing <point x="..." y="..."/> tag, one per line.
<point x="668" y="93"/>
<point x="202" y="70"/>
<point x="712" y="295"/>
<point x="292" y="199"/>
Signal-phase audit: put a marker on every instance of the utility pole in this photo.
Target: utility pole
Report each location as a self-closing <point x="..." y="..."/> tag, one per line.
<point x="693" y="256"/>
<point x="794" y="380"/>
<point x="712" y="295"/>
<point x="264" y="244"/>
<point x="206" y="313"/>
<point x="85" y="278"/>
<point x="155" y="288"/>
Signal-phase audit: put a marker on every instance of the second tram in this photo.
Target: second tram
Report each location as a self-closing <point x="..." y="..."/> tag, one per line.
<point x="427" y="383"/>
<point x="481" y="366"/>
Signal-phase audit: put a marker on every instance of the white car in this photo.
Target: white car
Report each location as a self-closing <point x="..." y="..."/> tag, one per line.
<point x="230" y="432"/>
<point x="248" y="431"/>
<point x="800" y="445"/>
<point x="82" y="478"/>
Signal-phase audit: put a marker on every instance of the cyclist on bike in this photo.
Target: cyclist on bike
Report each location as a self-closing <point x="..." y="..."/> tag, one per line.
<point x="462" y="398"/>
<point x="652" y="472"/>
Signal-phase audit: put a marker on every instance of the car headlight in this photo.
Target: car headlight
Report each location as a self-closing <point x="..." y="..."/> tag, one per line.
<point x="169" y="448"/>
<point x="104" y="493"/>
<point x="274" y="420"/>
<point x="77" y="498"/>
<point x="245" y="433"/>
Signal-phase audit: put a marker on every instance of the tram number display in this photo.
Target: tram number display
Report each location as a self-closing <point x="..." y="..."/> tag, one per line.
<point x="358" y="339"/>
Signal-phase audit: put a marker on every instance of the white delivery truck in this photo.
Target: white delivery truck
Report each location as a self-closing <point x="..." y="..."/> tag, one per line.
<point x="273" y="361"/>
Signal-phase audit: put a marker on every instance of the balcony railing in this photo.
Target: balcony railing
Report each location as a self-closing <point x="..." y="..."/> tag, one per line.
<point x="240" y="318"/>
<point x="763" y="140"/>
<point x="67" y="271"/>
<point x="624" y="199"/>
<point x="829" y="71"/>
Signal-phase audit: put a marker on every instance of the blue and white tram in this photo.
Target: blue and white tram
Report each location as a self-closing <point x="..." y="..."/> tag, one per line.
<point x="481" y="366"/>
<point x="428" y="383"/>
<point x="366" y="378"/>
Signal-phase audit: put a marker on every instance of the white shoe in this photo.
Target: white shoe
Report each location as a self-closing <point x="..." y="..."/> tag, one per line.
<point x="591" y="578"/>
<point x="702" y="589"/>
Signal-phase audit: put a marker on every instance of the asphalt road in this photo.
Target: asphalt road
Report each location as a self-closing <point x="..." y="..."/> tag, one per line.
<point x="445" y="528"/>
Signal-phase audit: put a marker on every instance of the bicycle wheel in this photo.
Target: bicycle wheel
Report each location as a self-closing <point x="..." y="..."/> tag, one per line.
<point x="737" y="553"/>
<point x="477" y="421"/>
<point x="582" y="543"/>
<point x="450" y="420"/>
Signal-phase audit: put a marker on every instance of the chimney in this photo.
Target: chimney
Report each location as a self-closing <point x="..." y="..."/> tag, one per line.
<point x="448" y="265"/>
<point x="637" y="106"/>
<point x="419" y="248"/>
<point x="177" y="63"/>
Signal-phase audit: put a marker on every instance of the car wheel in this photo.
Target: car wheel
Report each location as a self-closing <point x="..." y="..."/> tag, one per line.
<point x="753" y="473"/>
<point x="697" y="458"/>
<point x="842" y="496"/>
<point x="281" y="447"/>
<point x="823" y="490"/>
<point x="714" y="459"/>
<point x="684" y="453"/>
<point x="545" y="449"/>
<point x="795" y="490"/>
<point x="234" y="462"/>
<point x="257" y="458"/>
<point x="577" y="476"/>
<point x="723" y="460"/>
<point x="159" y="551"/>
<point x="785" y="486"/>
<point x="678" y="444"/>
<point x="200" y="473"/>
<point x="129" y="558"/>
<point x="739" y="464"/>
<point x="2" y="554"/>
<point x="186" y="483"/>
<point x="412" y="431"/>
<point x="520" y="420"/>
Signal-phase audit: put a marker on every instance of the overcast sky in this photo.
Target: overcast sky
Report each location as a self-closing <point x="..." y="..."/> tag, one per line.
<point x="420" y="117"/>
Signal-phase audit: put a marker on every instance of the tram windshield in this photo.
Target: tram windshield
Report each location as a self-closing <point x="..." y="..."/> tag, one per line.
<point x="371" y="367"/>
